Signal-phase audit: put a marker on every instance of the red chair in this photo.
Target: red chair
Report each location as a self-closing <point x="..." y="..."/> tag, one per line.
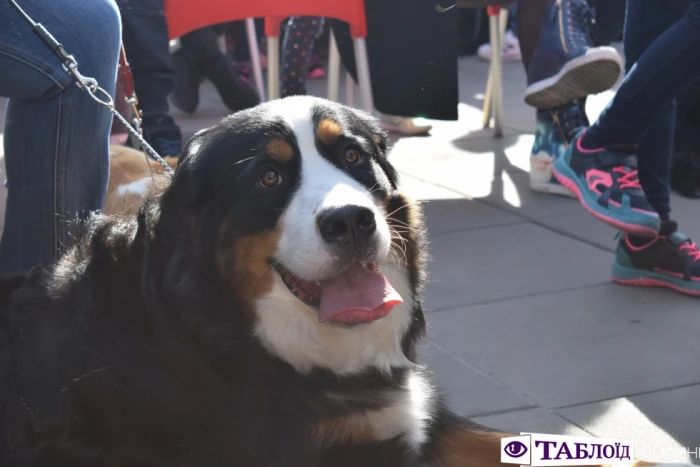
<point x="187" y="15"/>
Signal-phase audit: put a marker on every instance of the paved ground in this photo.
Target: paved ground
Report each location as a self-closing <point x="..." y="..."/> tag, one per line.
<point x="527" y="332"/>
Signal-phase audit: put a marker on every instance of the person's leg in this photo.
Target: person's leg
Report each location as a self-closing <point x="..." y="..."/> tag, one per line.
<point x="202" y="53"/>
<point x="297" y="48"/>
<point x="670" y="259"/>
<point x="601" y="166"/>
<point x="147" y="47"/>
<point x="56" y="136"/>
<point x="554" y="130"/>
<point x="565" y="65"/>
<point x="609" y="19"/>
<point x="660" y="42"/>
<point x="685" y="173"/>
<point x="420" y="80"/>
<point x="529" y="18"/>
<point x="186" y="94"/>
<point x="646" y="47"/>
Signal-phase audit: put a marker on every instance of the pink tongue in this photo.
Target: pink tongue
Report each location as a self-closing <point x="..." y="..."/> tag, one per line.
<point x="357" y="296"/>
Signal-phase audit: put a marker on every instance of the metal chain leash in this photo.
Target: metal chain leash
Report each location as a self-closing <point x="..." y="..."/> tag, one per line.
<point x="134" y="130"/>
<point x="91" y="86"/>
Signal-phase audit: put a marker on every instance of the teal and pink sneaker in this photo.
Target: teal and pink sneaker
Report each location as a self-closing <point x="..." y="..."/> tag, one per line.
<point x="607" y="185"/>
<point x="668" y="260"/>
<point x="556" y="129"/>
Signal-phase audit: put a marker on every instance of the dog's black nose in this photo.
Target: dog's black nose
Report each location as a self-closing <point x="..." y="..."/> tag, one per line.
<point x="349" y="225"/>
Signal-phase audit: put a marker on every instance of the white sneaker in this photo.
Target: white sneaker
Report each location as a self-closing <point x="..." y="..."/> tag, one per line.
<point x="510" y="52"/>
<point x="404" y="126"/>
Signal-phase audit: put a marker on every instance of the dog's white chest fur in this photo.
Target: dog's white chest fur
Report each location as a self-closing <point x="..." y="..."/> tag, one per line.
<point x="291" y="330"/>
<point x="408" y="416"/>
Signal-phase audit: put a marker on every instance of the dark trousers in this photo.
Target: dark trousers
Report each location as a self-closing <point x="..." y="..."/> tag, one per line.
<point x="145" y="38"/>
<point x="662" y="40"/>
<point x="412" y="53"/>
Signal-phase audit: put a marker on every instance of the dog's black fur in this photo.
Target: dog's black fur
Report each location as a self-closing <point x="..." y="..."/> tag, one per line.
<point x="136" y="348"/>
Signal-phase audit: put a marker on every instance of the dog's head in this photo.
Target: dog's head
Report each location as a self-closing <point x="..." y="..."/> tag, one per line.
<point x="295" y="208"/>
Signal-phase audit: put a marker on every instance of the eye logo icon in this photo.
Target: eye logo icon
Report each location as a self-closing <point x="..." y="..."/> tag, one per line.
<point x="515" y="449"/>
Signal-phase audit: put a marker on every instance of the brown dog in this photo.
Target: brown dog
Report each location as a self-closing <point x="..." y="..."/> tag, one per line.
<point x="131" y="179"/>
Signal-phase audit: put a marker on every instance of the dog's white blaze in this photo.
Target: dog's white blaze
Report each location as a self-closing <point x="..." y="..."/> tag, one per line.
<point x="291" y="330"/>
<point x="139" y="187"/>
<point x="322" y="186"/>
<point x="409" y="416"/>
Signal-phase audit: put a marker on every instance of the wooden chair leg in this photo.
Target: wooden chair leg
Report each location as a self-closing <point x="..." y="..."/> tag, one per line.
<point x="255" y="57"/>
<point x="273" y="67"/>
<point x="363" y="77"/>
<point x="493" y="100"/>
<point x="350" y="90"/>
<point x="333" y="69"/>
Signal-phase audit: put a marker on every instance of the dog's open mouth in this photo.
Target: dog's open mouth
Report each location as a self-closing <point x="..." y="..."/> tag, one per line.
<point x="361" y="294"/>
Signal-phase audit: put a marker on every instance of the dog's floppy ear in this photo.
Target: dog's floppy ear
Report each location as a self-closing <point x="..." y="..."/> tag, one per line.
<point x="187" y="193"/>
<point x="381" y="140"/>
<point x="384" y="163"/>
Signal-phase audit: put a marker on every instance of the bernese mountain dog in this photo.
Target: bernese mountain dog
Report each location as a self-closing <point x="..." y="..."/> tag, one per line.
<point x="263" y="311"/>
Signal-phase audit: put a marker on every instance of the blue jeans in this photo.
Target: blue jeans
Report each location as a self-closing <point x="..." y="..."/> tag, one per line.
<point x="56" y="137"/>
<point x="662" y="48"/>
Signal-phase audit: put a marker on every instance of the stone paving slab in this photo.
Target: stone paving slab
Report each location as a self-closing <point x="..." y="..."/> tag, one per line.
<point x="469" y="392"/>
<point x="663" y="424"/>
<point x="512" y="192"/>
<point x="536" y="420"/>
<point x="584" y="345"/>
<point x="582" y="225"/>
<point x="422" y="190"/>
<point x="508" y="261"/>
<point x="453" y="215"/>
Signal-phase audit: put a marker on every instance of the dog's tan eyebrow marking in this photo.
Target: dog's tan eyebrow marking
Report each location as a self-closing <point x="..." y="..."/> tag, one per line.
<point x="328" y="131"/>
<point x="279" y="150"/>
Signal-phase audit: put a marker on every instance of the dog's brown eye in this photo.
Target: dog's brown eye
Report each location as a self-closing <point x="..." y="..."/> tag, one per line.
<point x="270" y="178"/>
<point x="352" y="156"/>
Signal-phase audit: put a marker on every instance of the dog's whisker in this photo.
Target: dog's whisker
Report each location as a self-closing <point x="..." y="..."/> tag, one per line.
<point x="271" y="266"/>
<point x="398" y="232"/>
<point x="402" y="247"/>
<point x="401" y="223"/>
<point x="375" y="188"/>
<point x="403" y="252"/>
<point x="85" y="375"/>
<point x="407" y="205"/>
<point x="395" y="259"/>
<point x="399" y="259"/>
<point x="244" y="160"/>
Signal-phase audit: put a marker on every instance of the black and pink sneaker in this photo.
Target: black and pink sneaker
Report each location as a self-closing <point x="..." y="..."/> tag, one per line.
<point x="607" y="185"/>
<point x="668" y="260"/>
